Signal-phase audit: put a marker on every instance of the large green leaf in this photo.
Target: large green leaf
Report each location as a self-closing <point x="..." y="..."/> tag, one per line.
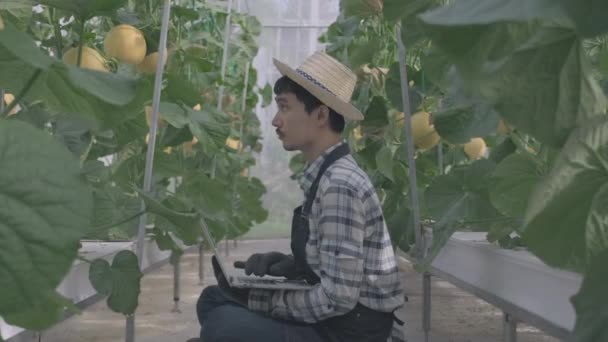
<point x="393" y="90"/>
<point x="384" y="160"/>
<point x="46" y="309"/>
<point x="210" y="127"/>
<point x="459" y="125"/>
<point x="376" y="116"/>
<point x="86" y="9"/>
<point x="209" y="196"/>
<point x="591" y="303"/>
<point x="121" y="281"/>
<point x="104" y="97"/>
<point x="171" y="216"/>
<point x="519" y="67"/>
<point x="46" y="210"/>
<point x="113" y="208"/>
<point x="513" y="181"/>
<point x="565" y="221"/>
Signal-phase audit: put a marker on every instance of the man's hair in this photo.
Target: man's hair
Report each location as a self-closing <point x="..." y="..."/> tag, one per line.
<point x="287" y="85"/>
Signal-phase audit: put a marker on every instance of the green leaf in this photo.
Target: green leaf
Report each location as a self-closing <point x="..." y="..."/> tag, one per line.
<point x="569" y="204"/>
<point x="208" y="195"/>
<point x="376" y="116"/>
<point x="591" y="303"/>
<point x="459" y="125"/>
<point x="112" y="206"/>
<point x="393" y="90"/>
<point x="384" y="160"/>
<point x="357" y="8"/>
<point x="363" y="53"/>
<point x="46" y="210"/>
<point x="86" y="9"/>
<point x="267" y="95"/>
<point x="513" y="181"/>
<point x="209" y="126"/>
<point x="185" y="224"/>
<point x="126" y="277"/>
<point x="519" y="67"/>
<point x="43" y="311"/>
<point x="100" y="276"/>
<point x="463" y="193"/>
<point x="395" y="10"/>
<point x="74" y="133"/>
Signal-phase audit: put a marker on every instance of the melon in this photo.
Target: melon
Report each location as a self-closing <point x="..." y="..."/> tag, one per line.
<point x="475" y="148"/>
<point x="8" y="99"/>
<point x="91" y="59"/>
<point x="423" y="131"/>
<point x="233" y="143"/>
<point x="148" y="66"/>
<point x="125" y="43"/>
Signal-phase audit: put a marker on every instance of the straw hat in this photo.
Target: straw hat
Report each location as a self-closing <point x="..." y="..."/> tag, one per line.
<point x="328" y="80"/>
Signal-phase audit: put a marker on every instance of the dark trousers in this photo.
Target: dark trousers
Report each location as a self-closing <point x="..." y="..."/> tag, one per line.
<point x="223" y="319"/>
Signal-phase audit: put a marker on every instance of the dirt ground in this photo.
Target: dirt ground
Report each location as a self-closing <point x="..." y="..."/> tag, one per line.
<point x="456" y="315"/>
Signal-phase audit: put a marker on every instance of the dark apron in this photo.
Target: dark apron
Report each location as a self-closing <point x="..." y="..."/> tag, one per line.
<point x="362" y="323"/>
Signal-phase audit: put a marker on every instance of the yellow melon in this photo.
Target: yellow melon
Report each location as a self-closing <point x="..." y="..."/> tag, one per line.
<point x="8" y="99"/>
<point x="423" y="131"/>
<point x="233" y="143"/>
<point x="475" y="148"/>
<point x="1" y="24"/>
<point x="125" y="43"/>
<point x="197" y="107"/>
<point x="161" y="122"/>
<point x="244" y="173"/>
<point x="91" y="59"/>
<point x="148" y="66"/>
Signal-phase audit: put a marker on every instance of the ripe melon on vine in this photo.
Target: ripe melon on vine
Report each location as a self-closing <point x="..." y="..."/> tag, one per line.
<point x="424" y="134"/>
<point x="125" y="43"/>
<point x="148" y="65"/>
<point x="475" y="148"/>
<point x="90" y="59"/>
<point x="161" y="122"/>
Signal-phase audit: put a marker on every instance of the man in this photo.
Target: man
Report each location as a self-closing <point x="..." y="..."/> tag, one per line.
<point x="339" y="243"/>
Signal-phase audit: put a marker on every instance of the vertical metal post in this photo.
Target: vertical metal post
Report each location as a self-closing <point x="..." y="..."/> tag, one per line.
<point x="176" y="284"/>
<point x="227" y="32"/>
<point x="1" y="101"/>
<point x="509" y="325"/>
<point x="426" y="305"/>
<point x="130" y="324"/>
<point x="420" y="238"/>
<point x="201" y="262"/>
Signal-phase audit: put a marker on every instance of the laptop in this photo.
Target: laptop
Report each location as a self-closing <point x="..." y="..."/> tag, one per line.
<point x="245" y="281"/>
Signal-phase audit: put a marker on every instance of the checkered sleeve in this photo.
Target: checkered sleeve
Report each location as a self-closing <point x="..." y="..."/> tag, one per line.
<point x="341" y="232"/>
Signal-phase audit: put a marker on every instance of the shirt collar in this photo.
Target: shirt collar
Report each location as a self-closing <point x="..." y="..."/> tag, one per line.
<point x="311" y="170"/>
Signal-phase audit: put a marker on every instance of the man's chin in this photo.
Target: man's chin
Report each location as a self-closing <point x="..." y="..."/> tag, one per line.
<point x="289" y="147"/>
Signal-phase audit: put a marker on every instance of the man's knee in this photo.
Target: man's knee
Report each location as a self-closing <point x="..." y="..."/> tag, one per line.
<point x="210" y="298"/>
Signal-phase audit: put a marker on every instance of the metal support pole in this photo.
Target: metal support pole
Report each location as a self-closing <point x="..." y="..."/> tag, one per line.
<point x="420" y="240"/>
<point x="1" y="101"/>
<point x="426" y="304"/>
<point x="509" y="324"/>
<point x="130" y="326"/>
<point x="176" y="285"/>
<point x="201" y="262"/>
<point x="227" y="31"/>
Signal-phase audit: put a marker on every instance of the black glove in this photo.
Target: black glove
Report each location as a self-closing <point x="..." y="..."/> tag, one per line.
<point x="273" y="263"/>
<point x="240" y="296"/>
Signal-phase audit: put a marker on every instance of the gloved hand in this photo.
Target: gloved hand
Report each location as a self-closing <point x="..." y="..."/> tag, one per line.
<point x="240" y="296"/>
<point x="273" y="263"/>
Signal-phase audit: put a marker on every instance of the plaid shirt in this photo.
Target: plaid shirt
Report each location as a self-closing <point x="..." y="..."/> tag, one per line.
<point x="349" y="248"/>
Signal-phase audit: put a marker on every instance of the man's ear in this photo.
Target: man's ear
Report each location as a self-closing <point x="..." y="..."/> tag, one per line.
<point x="323" y="114"/>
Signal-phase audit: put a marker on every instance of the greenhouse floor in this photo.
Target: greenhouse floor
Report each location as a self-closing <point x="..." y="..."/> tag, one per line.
<point x="456" y="315"/>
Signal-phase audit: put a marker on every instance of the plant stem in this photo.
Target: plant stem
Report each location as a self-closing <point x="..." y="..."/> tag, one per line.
<point x="24" y="91"/>
<point x="123" y="221"/>
<point x="58" y="37"/>
<point x="84" y="259"/>
<point x="80" y="36"/>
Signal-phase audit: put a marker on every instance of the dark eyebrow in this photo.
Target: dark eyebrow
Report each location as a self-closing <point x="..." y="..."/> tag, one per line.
<point x="280" y="99"/>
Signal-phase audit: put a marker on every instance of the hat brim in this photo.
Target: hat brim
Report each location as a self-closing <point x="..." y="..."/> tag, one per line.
<point x="347" y="110"/>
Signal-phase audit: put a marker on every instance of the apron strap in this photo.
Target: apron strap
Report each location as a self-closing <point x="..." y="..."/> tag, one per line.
<point x="337" y="153"/>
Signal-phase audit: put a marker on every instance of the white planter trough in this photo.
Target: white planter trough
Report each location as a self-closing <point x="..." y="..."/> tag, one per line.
<point x="515" y="281"/>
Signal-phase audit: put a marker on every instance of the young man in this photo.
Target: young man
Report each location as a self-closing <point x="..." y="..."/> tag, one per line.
<point x="340" y="242"/>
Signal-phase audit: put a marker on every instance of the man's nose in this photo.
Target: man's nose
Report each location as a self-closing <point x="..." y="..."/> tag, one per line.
<point x="275" y="120"/>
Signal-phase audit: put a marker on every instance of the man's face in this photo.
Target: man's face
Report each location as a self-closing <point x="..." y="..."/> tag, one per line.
<point x="296" y="128"/>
